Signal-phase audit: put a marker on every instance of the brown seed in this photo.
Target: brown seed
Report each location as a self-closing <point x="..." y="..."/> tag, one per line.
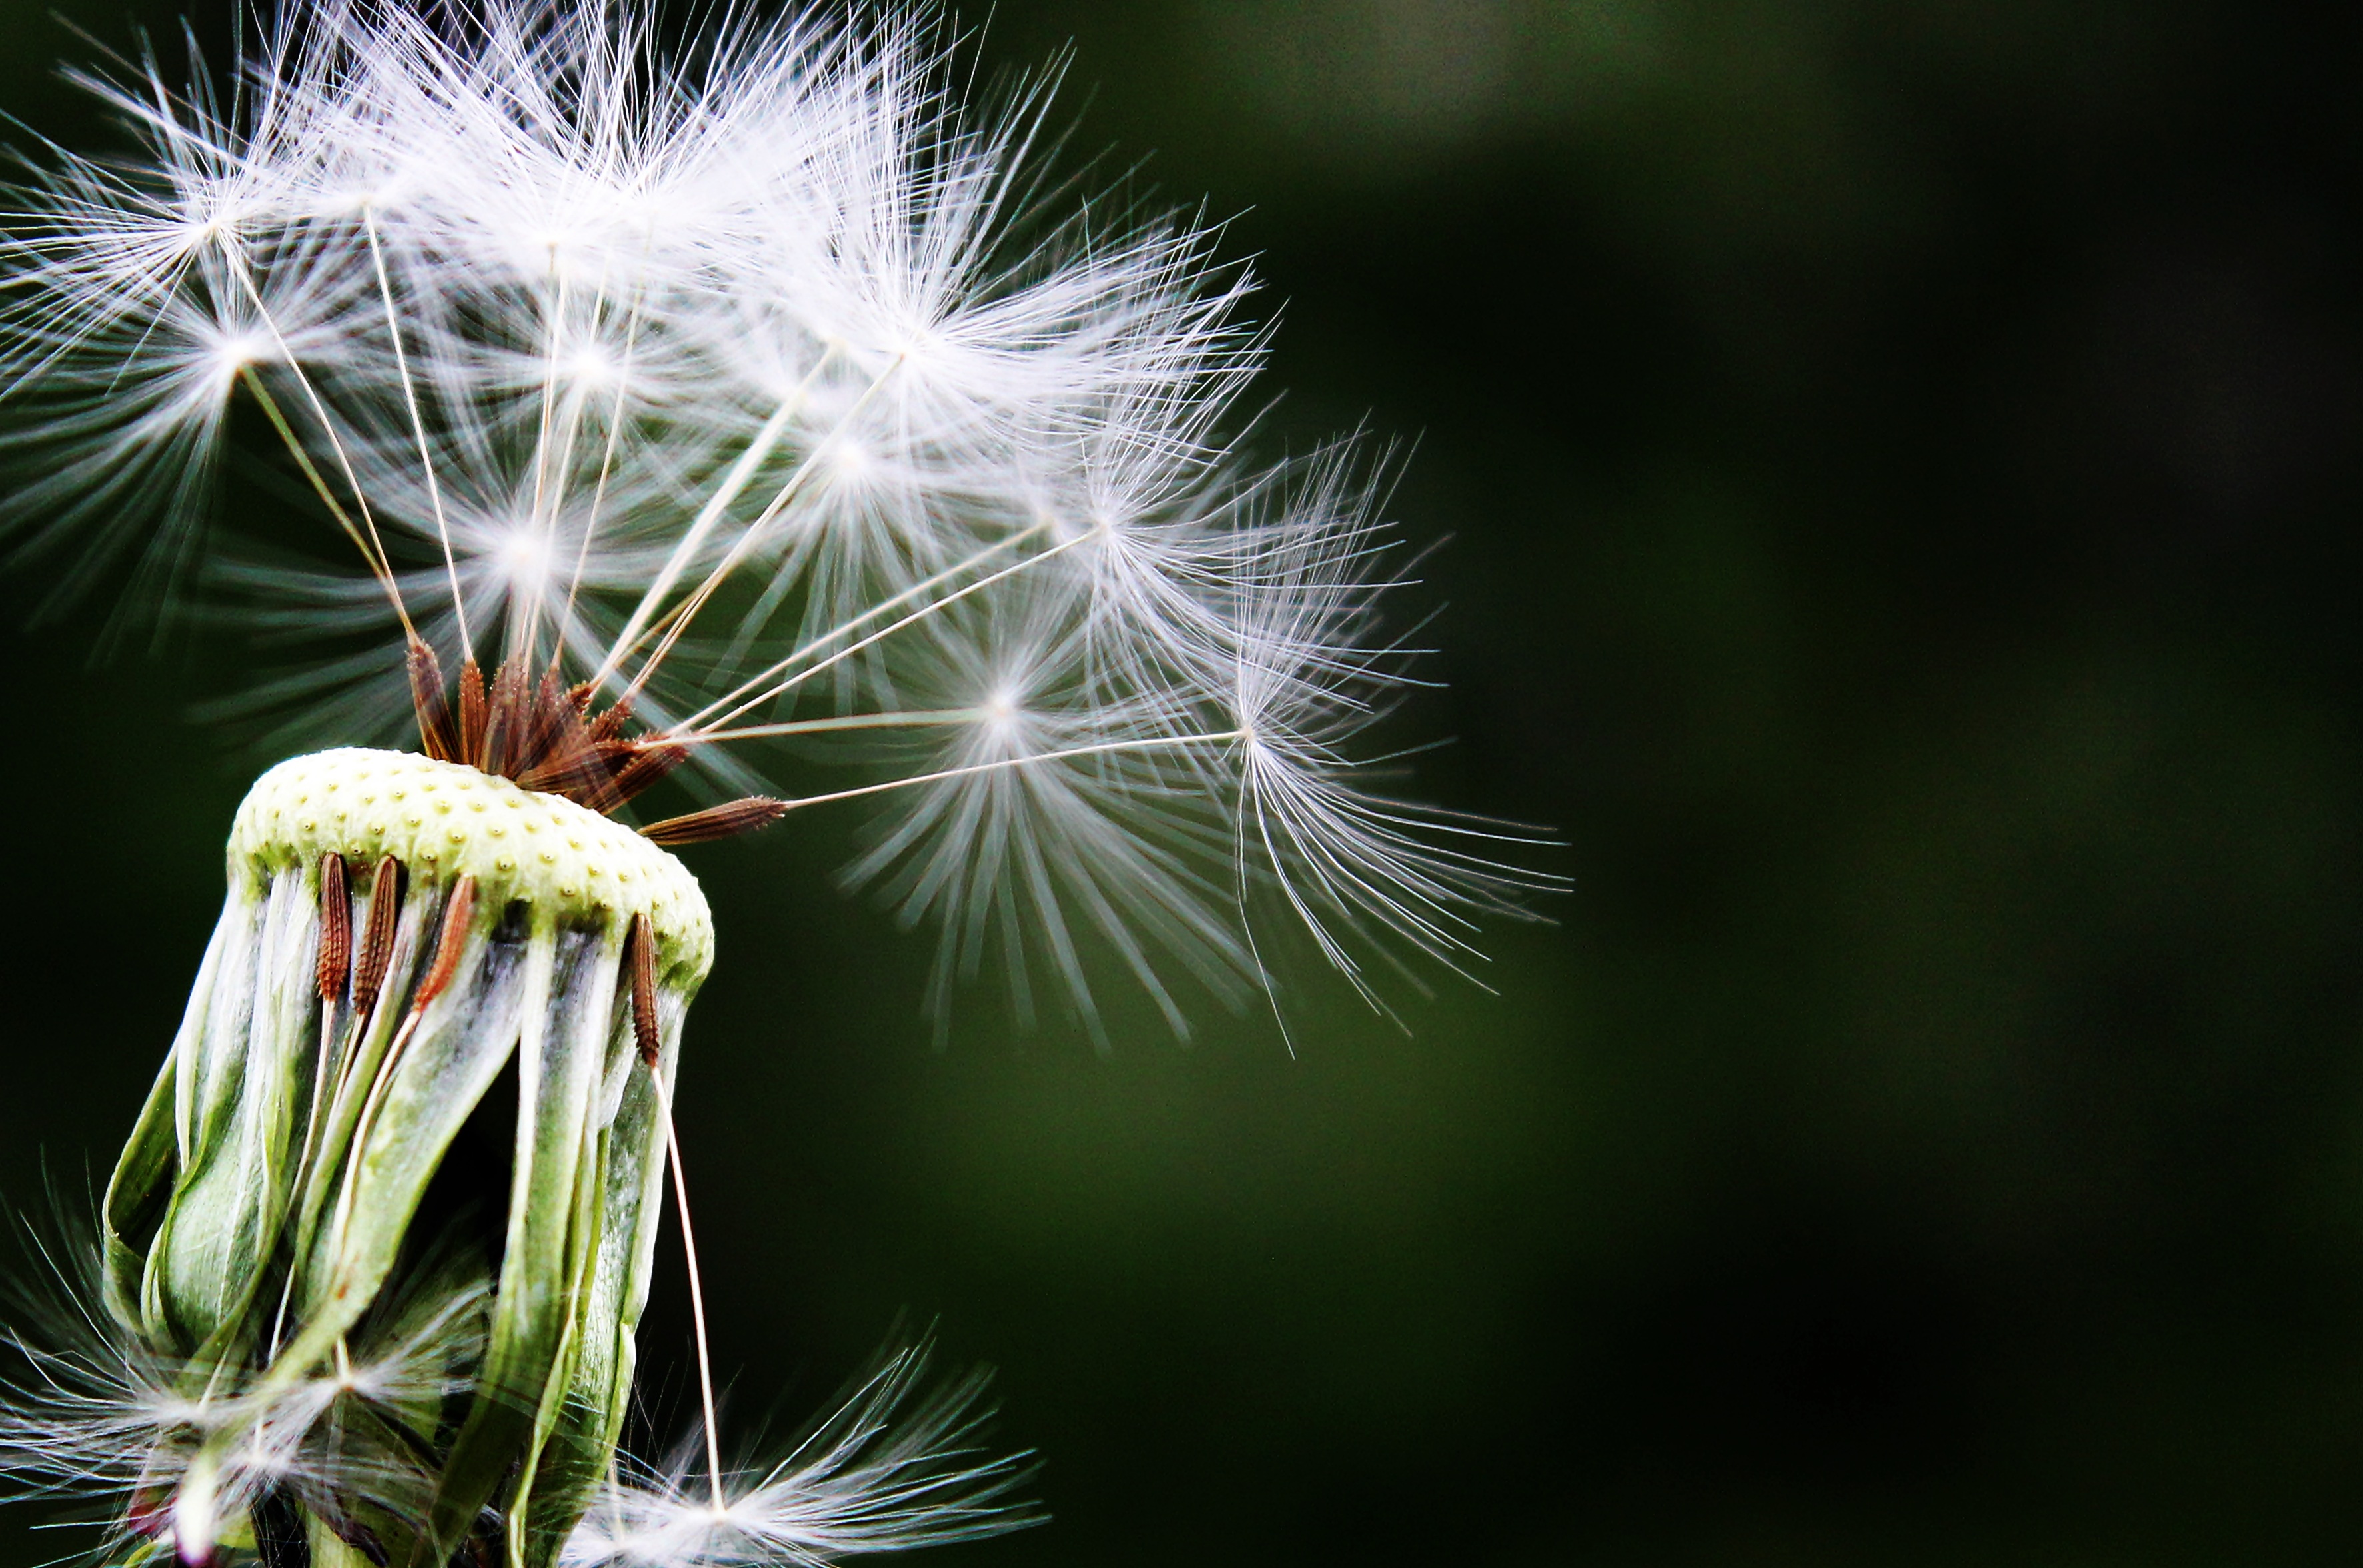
<point x="473" y="715"/>
<point x="581" y="770"/>
<point x="652" y="760"/>
<point x="377" y="936"/>
<point x="429" y="701"/>
<point x="551" y="716"/>
<point x="609" y="725"/>
<point x="336" y="927"/>
<point x="457" y="911"/>
<point x="752" y="815"/>
<point x="642" y="957"/>
<point x="504" y="725"/>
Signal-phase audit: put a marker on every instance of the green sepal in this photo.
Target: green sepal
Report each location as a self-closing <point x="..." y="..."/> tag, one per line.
<point x="619" y="1229"/>
<point x="559" y="1053"/>
<point x="134" y="1197"/>
<point x="232" y="1193"/>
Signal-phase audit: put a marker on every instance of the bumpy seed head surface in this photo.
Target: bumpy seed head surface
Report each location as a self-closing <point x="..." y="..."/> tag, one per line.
<point x="446" y="820"/>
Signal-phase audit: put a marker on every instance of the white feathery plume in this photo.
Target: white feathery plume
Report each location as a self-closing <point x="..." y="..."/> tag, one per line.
<point x="756" y="384"/>
<point x="92" y="1413"/>
<point x="1030" y="731"/>
<point x="887" y="1470"/>
<point x="1310" y="675"/>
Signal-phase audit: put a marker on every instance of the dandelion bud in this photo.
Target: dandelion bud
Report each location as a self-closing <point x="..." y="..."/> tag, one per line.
<point x="418" y="965"/>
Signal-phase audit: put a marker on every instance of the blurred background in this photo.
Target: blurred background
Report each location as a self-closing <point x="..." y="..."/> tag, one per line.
<point x="1900" y="469"/>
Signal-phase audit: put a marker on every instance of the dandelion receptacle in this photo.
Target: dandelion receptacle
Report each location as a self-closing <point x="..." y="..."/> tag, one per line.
<point x="751" y="424"/>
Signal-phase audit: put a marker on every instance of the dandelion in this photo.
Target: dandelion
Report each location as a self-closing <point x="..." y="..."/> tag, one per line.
<point x="708" y="416"/>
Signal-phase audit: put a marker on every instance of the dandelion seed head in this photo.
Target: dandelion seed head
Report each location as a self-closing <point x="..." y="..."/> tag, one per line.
<point x="761" y="384"/>
<point x="758" y="417"/>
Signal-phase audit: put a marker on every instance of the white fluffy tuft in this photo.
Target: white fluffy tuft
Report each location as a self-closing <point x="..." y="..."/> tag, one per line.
<point x="771" y="382"/>
<point x="889" y="1469"/>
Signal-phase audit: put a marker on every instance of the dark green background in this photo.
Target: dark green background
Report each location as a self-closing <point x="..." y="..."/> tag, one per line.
<point x="1903" y="473"/>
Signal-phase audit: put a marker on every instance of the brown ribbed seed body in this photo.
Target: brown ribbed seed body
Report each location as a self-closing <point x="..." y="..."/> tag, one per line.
<point x="408" y="944"/>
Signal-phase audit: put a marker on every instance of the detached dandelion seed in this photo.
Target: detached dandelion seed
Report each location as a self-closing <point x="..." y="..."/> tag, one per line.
<point x="686" y="417"/>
